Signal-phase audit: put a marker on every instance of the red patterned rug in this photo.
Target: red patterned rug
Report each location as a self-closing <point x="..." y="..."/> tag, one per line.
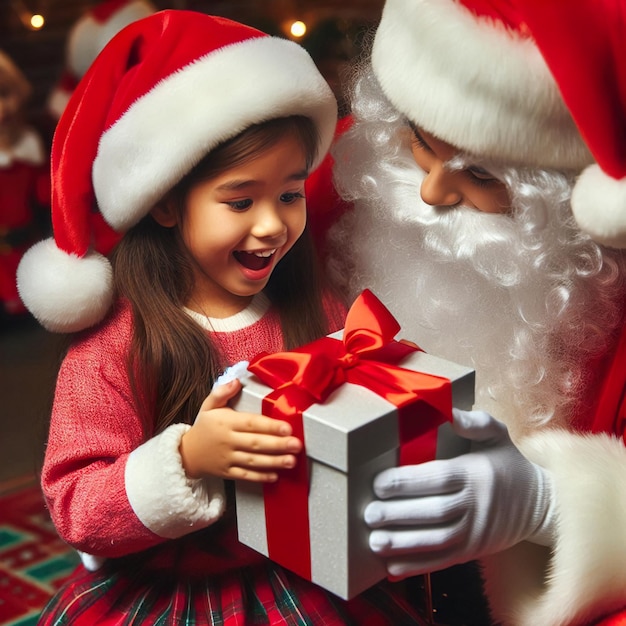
<point x="33" y="560"/>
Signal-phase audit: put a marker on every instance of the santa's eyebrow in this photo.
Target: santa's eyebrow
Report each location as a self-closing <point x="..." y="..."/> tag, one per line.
<point x="460" y="161"/>
<point x="457" y="162"/>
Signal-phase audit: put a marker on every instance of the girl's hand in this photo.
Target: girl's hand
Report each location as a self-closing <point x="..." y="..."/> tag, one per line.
<point x="225" y="443"/>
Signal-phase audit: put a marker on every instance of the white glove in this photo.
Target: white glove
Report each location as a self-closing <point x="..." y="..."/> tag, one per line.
<point x="442" y="513"/>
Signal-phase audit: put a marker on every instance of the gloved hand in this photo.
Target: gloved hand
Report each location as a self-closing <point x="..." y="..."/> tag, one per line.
<point x="446" y="512"/>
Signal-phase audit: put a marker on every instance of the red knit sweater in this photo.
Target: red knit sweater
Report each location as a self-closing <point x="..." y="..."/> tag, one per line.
<point x="111" y="490"/>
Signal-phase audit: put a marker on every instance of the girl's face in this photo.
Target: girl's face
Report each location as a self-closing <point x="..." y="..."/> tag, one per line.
<point x="239" y="224"/>
<point x="472" y="187"/>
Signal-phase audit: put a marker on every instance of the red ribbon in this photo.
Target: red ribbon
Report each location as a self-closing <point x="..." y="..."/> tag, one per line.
<point x="306" y="376"/>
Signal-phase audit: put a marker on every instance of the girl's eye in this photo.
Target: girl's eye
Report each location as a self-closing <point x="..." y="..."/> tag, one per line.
<point x="240" y="205"/>
<point x="290" y="197"/>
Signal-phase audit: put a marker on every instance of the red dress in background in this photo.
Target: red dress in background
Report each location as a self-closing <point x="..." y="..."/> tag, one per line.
<point x="24" y="206"/>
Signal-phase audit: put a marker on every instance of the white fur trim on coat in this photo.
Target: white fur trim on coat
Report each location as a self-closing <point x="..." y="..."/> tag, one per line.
<point x="478" y="87"/>
<point x="163" y="498"/>
<point x="585" y="577"/>
<point x="166" y="132"/>
<point x="28" y="149"/>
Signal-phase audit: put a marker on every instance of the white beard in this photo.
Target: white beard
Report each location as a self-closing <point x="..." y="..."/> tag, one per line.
<point x="494" y="292"/>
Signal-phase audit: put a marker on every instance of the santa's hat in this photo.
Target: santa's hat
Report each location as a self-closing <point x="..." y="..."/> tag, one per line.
<point x="164" y="92"/>
<point x="87" y="37"/>
<point x="535" y="83"/>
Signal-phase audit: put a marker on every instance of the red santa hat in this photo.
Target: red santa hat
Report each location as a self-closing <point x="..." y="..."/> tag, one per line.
<point x="87" y="38"/>
<point x="533" y="83"/>
<point x="162" y="94"/>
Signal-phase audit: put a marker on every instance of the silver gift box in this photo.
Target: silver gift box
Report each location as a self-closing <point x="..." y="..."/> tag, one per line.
<point x="349" y="439"/>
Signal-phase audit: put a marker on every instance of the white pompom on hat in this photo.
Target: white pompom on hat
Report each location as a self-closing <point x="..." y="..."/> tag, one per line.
<point x="162" y="94"/>
<point x="539" y="84"/>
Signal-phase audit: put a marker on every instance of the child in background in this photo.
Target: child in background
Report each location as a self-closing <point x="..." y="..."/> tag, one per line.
<point x="192" y="136"/>
<point x="24" y="183"/>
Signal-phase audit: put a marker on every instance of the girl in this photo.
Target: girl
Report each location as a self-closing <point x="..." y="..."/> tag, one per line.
<point x="197" y="149"/>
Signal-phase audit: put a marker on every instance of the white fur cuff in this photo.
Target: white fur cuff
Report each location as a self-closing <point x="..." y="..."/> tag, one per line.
<point x="164" y="499"/>
<point x="585" y="577"/>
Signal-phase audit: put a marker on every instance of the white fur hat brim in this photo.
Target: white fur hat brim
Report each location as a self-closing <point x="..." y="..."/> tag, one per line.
<point x="168" y="130"/>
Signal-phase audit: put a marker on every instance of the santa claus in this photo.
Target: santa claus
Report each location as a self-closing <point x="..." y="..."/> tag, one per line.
<point x="487" y="170"/>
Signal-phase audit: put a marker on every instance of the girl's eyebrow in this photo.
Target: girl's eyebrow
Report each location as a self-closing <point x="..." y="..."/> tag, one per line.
<point x="236" y="184"/>
<point x="301" y="175"/>
<point x="244" y="183"/>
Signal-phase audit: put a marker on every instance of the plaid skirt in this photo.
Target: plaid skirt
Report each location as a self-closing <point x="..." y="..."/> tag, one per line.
<point x="255" y="595"/>
<point x="209" y="578"/>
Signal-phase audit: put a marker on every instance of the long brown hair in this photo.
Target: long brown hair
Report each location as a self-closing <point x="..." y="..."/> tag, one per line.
<point x="172" y="361"/>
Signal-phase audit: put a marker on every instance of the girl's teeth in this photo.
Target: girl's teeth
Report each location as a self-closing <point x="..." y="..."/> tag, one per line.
<point x="255" y="260"/>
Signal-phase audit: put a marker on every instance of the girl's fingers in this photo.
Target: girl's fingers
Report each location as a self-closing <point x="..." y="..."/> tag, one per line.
<point x="239" y="473"/>
<point x="253" y="423"/>
<point x="262" y="462"/>
<point x="256" y="443"/>
<point x="242" y="422"/>
<point x="220" y="395"/>
<point x="259" y="468"/>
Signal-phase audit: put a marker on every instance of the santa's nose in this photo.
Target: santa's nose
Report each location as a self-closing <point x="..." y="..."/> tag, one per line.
<point x="438" y="187"/>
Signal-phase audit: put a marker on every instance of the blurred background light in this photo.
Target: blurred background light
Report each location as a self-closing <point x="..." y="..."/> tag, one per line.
<point x="298" y="29"/>
<point x="37" y="21"/>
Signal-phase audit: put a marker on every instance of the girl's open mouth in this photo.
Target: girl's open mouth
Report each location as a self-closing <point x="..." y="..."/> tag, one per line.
<point x="254" y="260"/>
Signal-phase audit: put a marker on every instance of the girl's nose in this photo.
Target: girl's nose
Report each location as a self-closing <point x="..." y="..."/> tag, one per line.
<point x="438" y="187"/>
<point x="268" y="223"/>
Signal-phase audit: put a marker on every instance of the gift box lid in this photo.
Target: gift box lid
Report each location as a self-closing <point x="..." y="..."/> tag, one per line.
<point x="354" y="424"/>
